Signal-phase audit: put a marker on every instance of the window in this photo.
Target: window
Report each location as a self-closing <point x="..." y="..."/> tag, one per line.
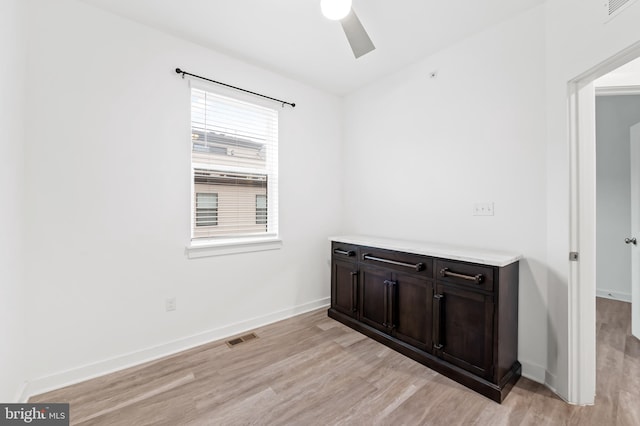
<point x="234" y="168"/>
<point x="261" y="209"/>
<point x="206" y="209"/>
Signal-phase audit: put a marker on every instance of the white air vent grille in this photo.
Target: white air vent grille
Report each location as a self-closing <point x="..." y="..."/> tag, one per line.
<point x="614" y="7"/>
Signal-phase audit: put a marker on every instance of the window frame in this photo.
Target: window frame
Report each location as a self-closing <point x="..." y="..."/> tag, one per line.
<point x="224" y="245"/>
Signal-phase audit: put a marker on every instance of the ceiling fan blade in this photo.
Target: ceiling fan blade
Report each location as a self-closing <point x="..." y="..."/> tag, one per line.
<point x="358" y="38"/>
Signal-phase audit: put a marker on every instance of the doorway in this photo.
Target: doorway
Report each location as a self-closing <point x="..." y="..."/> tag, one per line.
<point x="582" y="281"/>
<point x="617" y="110"/>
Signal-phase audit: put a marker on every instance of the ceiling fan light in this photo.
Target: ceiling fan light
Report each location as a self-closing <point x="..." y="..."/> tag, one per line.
<point x="335" y="9"/>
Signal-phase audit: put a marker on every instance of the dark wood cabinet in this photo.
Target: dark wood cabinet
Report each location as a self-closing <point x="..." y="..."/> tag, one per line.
<point x="375" y="308"/>
<point x="412" y="315"/>
<point x="458" y="318"/>
<point x="463" y="329"/>
<point x="397" y="304"/>
<point x="344" y="280"/>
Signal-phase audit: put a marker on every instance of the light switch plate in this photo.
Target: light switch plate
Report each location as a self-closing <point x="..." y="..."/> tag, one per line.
<point x="483" y="209"/>
<point x="170" y="304"/>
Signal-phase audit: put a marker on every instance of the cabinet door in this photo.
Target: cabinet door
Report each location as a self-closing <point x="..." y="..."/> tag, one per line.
<point x="374" y="297"/>
<point x="411" y="301"/>
<point x="344" y="287"/>
<point x="463" y="329"/>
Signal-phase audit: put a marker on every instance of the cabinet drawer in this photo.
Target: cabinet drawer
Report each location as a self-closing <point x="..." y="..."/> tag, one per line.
<point x="465" y="274"/>
<point x="398" y="261"/>
<point x="344" y="251"/>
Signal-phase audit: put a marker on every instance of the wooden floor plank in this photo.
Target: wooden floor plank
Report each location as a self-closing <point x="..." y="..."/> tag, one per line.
<point x="313" y="370"/>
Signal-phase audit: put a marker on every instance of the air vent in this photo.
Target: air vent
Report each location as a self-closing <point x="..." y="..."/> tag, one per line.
<point x="236" y="341"/>
<point x="615" y="7"/>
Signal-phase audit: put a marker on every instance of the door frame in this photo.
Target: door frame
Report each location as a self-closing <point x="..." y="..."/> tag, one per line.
<point x="634" y="145"/>
<point x="582" y="227"/>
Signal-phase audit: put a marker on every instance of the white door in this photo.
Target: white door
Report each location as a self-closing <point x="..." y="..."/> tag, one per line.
<point x="635" y="230"/>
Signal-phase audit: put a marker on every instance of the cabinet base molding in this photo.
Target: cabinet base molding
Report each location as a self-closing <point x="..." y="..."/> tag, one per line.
<point x="490" y="390"/>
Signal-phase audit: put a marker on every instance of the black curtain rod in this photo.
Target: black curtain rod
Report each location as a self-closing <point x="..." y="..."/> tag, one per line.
<point x="179" y="71"/>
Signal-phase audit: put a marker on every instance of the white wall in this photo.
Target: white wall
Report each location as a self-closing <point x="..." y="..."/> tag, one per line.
<point x="108" y="195"/>
<point x="12" y="324"/>
<point x="421" y="151"/>
<point x="614" y="117"/>
<point x="577" y="39"/>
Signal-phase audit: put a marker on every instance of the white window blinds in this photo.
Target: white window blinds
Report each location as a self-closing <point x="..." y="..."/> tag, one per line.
<point x="234" y="167"/>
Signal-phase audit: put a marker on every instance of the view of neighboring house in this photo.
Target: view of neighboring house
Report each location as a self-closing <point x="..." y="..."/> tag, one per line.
<point x="230" y="170"/>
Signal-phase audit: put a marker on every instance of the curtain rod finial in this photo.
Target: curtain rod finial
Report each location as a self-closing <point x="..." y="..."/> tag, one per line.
<point x="178" y="71"/>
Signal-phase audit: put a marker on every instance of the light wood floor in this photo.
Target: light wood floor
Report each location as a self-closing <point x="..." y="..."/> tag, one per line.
<point x="311" y="370"/>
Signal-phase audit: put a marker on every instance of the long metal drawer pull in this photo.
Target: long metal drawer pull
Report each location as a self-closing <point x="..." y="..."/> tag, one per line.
<point x="478" y="279"/>
<point x="354" y="291"/>
<point x="417" y="266"/>
<point x="389" y="303"/>
<point x="344" y="252"/>
<point x="437" y="323"/>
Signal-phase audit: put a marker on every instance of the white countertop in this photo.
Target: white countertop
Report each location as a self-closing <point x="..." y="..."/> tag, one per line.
<point x="474" y="255"/>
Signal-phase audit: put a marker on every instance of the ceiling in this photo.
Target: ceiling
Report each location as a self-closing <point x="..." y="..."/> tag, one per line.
<point x="292" y="37"/>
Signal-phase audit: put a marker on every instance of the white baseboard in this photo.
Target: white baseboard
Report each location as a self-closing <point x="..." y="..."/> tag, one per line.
<point x="21" y="392"/>
<point x="540" y="375"/>
<point x="100" y="368"/>
<point x="551" y="384"/>
<point x="611" y="294"/>
<point x="534" y="372"/>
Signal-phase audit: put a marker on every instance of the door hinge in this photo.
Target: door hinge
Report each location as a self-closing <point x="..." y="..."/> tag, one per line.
<point x="573" y="256"/>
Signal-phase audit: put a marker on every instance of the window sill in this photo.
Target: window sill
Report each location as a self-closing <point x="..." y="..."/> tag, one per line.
<point x="197" y="250"/>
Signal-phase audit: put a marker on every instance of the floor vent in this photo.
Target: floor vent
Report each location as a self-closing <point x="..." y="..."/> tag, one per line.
<point x="236" y="341"/>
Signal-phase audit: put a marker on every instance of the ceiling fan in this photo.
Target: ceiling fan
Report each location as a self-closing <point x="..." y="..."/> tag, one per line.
<point x="341" y="10"/>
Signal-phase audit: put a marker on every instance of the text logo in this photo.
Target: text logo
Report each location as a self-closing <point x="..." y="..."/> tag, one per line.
<point x="34" y="414"/>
